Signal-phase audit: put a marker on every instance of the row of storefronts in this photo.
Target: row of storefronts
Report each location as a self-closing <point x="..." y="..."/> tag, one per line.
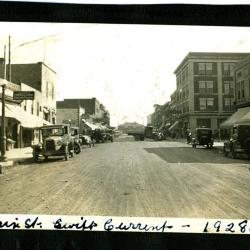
<point x="19" y="125"/>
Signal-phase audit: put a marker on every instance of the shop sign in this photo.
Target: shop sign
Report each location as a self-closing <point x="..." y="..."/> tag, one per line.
<point x="23" y="95"/>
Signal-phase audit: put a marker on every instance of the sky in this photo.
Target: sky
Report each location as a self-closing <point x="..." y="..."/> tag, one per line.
<point x="128" y="68"/>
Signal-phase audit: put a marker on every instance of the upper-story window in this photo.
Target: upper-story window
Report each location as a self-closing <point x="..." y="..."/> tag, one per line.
<point x="227" y="69"/>
<point x="228" y="104"/>
<point x="25" y="105"/>
<point x="228" y="87"/>
<point x="37" y="108"/>
<point x="206" y="104"/>
<point x="53" y="92"/>
<point x="206" y="87"/>
<point x="205" y="68"/>
<point x="32" y="107"/>
<point x="240" y="90"/>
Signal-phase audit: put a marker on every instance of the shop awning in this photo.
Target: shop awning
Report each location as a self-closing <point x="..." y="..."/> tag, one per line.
<point x="174" y="126"/>
<point x="27" y="120"/>
<point x="237" y="117"/>
<point x="246" y="117"/>
<point x="90" y="125"/>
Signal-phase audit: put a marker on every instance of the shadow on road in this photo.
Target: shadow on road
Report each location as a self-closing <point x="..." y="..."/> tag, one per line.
<point x="191" y="155"/>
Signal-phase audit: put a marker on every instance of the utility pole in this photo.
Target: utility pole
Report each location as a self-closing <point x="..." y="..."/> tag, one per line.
<point x="9" y="71"/>
<point x="3" y="134"/>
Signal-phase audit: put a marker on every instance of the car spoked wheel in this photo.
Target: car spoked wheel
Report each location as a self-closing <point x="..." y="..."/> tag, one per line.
<point x="35" y="157"/>
<point x="77" y="148"/>
<point x="234" y="155"/>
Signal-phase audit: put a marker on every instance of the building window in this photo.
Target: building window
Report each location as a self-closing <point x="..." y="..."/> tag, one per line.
<point x="228" y="104"/>
<point x="206" y="87"/>
<point x="25" y="105"/>
<point x="206" y="104"/>
<point x="32" y="108"/>
<point x="203" y="104"/>
<point x="240" y="90"/>
<point x="228" y="69"/>
<point x="210" y="103"/>
<point x="228" y="87"/>
<point x="205" y="68"/>
<point x="37" y="108"/>
<point x="53" y="92"/>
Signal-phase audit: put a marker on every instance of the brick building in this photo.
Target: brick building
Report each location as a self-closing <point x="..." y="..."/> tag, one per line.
<point x="20" y="116"/>
<point x="242" y="94"/>
<point x="43" y="79"/>
<point x="205" y="89"/>
<point x="90" y="110"/>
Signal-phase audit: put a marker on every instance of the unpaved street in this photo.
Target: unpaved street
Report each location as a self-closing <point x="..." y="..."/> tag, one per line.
<point x="132" y="178"/>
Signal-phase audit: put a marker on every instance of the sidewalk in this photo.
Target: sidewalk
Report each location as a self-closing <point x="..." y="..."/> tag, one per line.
<point x="19" y="154"/>
<point x="14" y="156"/>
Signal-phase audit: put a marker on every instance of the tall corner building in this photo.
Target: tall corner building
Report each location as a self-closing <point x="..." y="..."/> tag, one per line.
<point x="205" y="94"/>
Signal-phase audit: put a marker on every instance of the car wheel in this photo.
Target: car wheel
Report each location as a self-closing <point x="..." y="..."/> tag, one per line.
<point x="77" y="149"/>
<point x="233" y="153"/>
<point x="35" y="157"/>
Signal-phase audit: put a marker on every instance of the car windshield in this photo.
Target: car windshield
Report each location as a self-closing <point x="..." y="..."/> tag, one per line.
<point x="203" y="132"/>
<point x="46" y="132"/>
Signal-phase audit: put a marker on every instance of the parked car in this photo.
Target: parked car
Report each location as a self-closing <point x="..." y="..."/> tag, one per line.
<point x="99" y="135"/>
<point x="203" y="137"/>
<point x="54" y="140"/>
<point x="239" y="142"/>
<point x="77" y="140"/>
<point x="108" y="135"/>
<point x="157" y="136"/>
<point x="86" y="140"/>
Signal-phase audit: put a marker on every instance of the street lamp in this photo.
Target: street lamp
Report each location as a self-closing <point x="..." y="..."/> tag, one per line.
<point x="3" y="134"/>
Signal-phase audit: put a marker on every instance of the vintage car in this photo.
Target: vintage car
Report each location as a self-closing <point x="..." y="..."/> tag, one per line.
<point x="98" y="135"/>
<point x="203" y="137"/>
<point x="108" y="135"/>
<point x="74" y="131"/>
<point x="54" y="140"/>
<point x="86" y="140"/>
<point x="239" y="142"/>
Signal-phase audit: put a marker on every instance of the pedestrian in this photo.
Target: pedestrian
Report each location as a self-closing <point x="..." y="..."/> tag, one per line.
<point x="92" y="137"/>
<point x="189" y="136"/>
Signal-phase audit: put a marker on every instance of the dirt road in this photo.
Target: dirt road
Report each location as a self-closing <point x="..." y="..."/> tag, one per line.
<point x="132" y="178"/>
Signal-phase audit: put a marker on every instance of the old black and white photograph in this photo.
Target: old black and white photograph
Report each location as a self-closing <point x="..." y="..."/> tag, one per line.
<point x="125" y="120"/>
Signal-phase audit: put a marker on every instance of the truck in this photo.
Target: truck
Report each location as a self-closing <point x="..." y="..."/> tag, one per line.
<point x="139" y="131"/>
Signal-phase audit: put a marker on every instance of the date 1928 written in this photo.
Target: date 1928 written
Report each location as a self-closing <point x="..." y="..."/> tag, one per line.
<point x="230" y="227"/>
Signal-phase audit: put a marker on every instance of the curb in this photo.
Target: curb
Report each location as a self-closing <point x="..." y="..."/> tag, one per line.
<point x="12" y="163"/>
<point x="5" y="165"/>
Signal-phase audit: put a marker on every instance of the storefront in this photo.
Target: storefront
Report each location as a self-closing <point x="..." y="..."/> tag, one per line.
<point x="20" y="125"/>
